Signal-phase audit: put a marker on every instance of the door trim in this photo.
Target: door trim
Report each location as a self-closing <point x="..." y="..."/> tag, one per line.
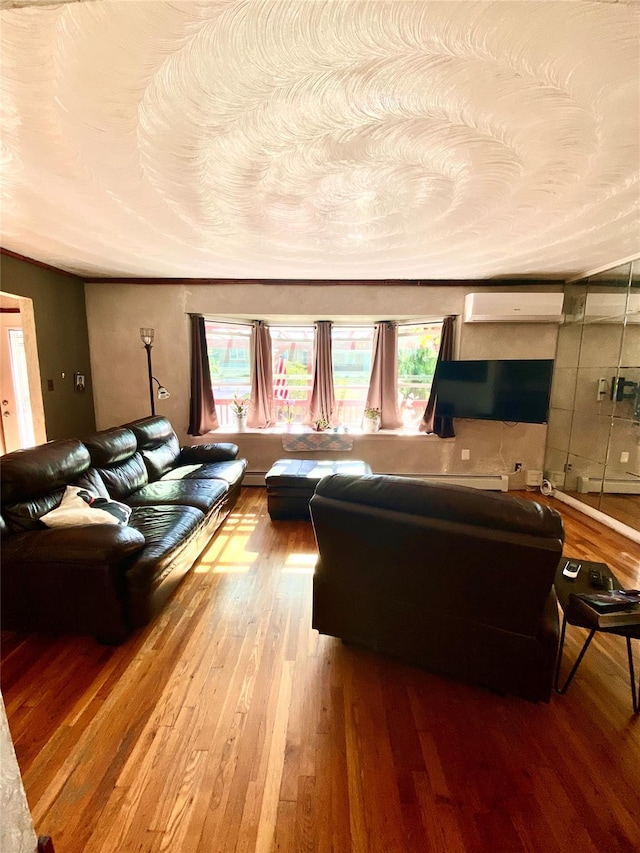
<point x="25" y="305"/>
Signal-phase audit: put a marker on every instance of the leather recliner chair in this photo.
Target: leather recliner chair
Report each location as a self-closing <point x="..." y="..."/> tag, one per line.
<point x="450" y="578"/>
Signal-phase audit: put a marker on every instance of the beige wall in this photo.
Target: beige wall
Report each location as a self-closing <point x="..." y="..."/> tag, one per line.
<point x="115" y="312"/>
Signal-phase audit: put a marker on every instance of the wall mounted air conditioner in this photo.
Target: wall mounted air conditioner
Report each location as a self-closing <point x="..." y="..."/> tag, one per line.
<point x="500" y="307"/>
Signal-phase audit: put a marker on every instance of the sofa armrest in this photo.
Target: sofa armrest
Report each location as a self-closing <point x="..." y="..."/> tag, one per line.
<point x="90" y="543"/>
<point x="197" y="454"/>
<point x="69" y="580"/>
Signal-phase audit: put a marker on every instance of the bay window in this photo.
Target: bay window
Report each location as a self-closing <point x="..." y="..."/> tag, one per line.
<point x="230" y="354"/>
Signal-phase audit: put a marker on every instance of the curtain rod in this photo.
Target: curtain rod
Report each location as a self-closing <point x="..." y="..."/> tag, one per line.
<point x="298" y="325"/>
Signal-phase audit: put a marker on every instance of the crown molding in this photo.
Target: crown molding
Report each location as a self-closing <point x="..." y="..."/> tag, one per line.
<point x="35" y="263"/>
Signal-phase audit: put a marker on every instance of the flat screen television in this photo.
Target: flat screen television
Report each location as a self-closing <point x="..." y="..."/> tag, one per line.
<point x="497" y="390"/>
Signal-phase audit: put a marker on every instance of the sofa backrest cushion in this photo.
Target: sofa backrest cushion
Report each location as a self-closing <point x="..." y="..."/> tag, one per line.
<point x="93" y="482"/>
<point x="451" y="503"/>
<point x="111" y="446"/>
<point x="33" y="480"/>
<point x="115" y="457"/>
<point x="158" y="444"/>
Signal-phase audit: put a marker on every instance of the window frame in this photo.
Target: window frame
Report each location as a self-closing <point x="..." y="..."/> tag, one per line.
<point x="286" y="408"/>
<point x="412" y="412"/>
<point x="355" y="404"/>
<point x="284" y="415"/>
<point x="240" y="387"/>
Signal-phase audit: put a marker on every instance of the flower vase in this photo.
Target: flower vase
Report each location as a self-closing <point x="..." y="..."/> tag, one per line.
<point x="370" y="424"/>
<point x="241" y="422"/>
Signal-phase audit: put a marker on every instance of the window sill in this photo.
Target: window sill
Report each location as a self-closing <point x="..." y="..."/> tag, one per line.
<point x="354" y="432"/>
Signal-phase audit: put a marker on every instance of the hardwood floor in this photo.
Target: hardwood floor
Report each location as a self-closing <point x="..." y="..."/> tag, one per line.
<point x="230" y="725"/>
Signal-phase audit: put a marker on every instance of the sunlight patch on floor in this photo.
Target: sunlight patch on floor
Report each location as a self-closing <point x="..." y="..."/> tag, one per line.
<point x="232" y="569"/>
<point x="227" y="552"/>
<point x="299" y="564"/>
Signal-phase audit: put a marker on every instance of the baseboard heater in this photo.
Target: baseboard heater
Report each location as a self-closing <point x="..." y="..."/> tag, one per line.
<point x="611" y="486"/>
<point x="489" y="482"/>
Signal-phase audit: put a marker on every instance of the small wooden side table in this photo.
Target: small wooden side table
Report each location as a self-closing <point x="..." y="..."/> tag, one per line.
<point x="583" y="618"/>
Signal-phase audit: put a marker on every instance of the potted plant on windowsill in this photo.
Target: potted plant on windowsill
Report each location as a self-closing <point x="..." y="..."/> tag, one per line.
<point x="320" y="424"/>
<point x="240" y="408"/>
<point x="371" y="419"/>
<point x="288" y="416"/>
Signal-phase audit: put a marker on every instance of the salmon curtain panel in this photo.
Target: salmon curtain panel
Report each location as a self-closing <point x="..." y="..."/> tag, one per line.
<point x="261" y="377"/>
<point x="383" y="384"/>
<point x="202" y="406"/>
<point x="442" y="427"/>
<point x="323" y="401"/>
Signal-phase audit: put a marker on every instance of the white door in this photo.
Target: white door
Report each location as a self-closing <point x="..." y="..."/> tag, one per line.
<point x="15" y="402"/>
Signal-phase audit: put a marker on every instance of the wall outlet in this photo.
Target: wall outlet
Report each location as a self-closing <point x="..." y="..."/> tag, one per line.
<point x="624" y="456"/>
<point x="603" y="387"/>
<point x="518" y="467"/>
<point x="465" y="455"/>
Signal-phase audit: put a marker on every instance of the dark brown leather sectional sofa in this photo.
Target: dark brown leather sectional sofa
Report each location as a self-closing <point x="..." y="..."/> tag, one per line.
<point x="101" y="579"/>
<point x="453" y="579"/>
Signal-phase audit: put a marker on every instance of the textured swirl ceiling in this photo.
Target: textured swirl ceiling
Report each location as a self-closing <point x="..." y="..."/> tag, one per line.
<point x="317" y="139"/>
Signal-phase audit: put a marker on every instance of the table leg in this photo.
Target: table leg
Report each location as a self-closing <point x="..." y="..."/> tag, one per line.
<point x="632" y="677"/>
<point x="559" y="657"/>
<point x="574" y="669"/>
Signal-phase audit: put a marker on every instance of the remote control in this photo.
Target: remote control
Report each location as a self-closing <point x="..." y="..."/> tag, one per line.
<point x="571" y="569"/>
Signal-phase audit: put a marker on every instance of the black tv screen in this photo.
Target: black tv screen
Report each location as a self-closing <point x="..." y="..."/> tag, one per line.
<point x="498" y="390"/>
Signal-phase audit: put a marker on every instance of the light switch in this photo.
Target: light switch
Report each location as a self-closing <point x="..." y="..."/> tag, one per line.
<point x="624" y="456"/>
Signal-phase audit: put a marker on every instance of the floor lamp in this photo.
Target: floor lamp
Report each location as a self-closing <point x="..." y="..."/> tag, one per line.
<point x="146" y="336"/>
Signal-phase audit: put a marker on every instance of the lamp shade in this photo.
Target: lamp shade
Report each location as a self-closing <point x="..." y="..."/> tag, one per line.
<point x="146" y="336"/>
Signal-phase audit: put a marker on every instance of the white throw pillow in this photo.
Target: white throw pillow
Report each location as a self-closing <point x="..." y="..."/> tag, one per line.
<point x="78" y="506"/>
